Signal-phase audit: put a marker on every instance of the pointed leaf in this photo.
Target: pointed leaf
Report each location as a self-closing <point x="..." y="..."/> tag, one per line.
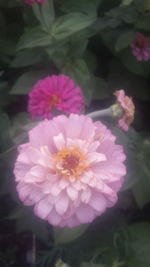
<point x="69" y="24"/>
<point x="25" y="82"/>
<point x="48" y="13"/>
<point x="65" y="235"/>
<point x="34" y="37"/>
<point x="124" y="40"/>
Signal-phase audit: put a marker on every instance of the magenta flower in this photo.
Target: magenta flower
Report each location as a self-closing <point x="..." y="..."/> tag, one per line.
<point x="55" y="93"/>
<point x="141" y="47"/>
<point x="34" y="1"/>
<point x="128" y="108"/>
<point x="70" y="170"/>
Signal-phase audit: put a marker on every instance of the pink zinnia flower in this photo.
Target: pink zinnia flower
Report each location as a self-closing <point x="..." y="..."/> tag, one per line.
<point x="55" y="93"/>
<point x="33" y="1"/>
<point x="70" y="170"/>
<point x="141" y="47"/>
<point x="128" y="108"/>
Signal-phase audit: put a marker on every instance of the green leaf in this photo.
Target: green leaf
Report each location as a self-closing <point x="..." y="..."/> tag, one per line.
<point x="59" y="55"/>
<point x="79" y="72"/>
<point x="25" y="82"/>
<point x="141" y="191"/>
<point x="103" y="23"/>
<point x="34" y="37"/>
<point x="121" y="77"/>
<point x="4" y="130"/>
<point x="100" y="89"/>
<point x="142" y="188"/>
<point x="139" y="4"/>
<point x="48" y="13"/>
<point x="21" y="124"/>
<point x="91" y="61"/>
<point x="109" y="38"/>
<point x="130" y="141"/>
<point x="85" y="6"/>
<point x="143" y="23"/>
<point x="37" y="12"/>
<point x="45" y="14"/>
<point x="78" y="46"/>
<point x="69" y="24"/>
<point x="139" y="245"/>
<point x="60" y="263"/>
<point x="4" y="94"/>
<point x="128" y="14"/>
<point x="124" y="40"/>
<point x="27" y="57"/>
<point x="65" y="235"/>
<point x="140" y="231"/>
<point x="140" y="68"/>
<point x="126" y="2"/>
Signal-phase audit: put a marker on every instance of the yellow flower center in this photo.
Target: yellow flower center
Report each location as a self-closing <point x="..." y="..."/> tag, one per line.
<point x="70" y="162"/>
<point x="141" y="43"/>
<point x="53" y="100"/>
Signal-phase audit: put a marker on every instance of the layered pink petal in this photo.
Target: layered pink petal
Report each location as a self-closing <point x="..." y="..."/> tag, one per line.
<point x="43" y="208"/>
<point x="98" y="202"/>
<point x="85" y="214"/>
<point x="69" y="172"/>
<point x="128" y="109"/>
<point x="62" y="204"/>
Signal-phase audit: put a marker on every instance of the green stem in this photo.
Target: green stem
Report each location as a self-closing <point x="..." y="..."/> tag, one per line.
<point x="101" y="113"/>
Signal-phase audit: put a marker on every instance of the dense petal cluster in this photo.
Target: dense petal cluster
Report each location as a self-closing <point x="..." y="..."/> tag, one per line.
<point x="57" y="92"/>
<point x="34" y="1"/>
<point x="128" y="108"/>
<point x="70" y="170"/>
<point x="141" y="47"/>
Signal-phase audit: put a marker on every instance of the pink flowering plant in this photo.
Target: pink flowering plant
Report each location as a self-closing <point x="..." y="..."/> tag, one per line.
<point x="141" y="47"/>
<point x="57" y="92"/>
<point x="67" y="171"/>
<point x="128" y="108"/>
<point x="74" y="133"/>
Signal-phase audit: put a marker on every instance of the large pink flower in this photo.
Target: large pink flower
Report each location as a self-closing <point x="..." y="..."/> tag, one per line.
<point x="128" y="108"/>
<point x="141" y="47"/>
<point x="33" y="1"/>
<point x="70" y="170"/>
<point x="55" y="93"/>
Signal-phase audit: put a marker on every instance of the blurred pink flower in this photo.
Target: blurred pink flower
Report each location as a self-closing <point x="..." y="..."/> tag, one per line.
<point x="70" y="170"/>
<point x="55" y="92"/>
<point x="33" y="1"/>
<point x="141" y="47"/>
<point x="128" y="107"/>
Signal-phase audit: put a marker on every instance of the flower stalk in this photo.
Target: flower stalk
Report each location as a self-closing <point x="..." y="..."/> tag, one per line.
<point x="101" y="113"/>
<point x="115" y="111"/>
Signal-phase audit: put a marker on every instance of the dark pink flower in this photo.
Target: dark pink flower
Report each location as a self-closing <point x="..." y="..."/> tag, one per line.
<point x="141" y="47"/>
<point x="33" y="1"/>
<point x="57" y="92"/>
<point x="128" y="108"/>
